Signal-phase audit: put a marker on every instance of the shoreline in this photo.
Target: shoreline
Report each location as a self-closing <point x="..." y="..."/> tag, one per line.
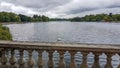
<point x="7" y="23"/>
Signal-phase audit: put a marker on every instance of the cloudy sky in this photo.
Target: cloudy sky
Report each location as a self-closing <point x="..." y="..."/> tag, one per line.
<point x="60" y="8"/>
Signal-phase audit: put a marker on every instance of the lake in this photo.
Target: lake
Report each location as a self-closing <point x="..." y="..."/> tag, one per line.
<point x="67" y="32"/>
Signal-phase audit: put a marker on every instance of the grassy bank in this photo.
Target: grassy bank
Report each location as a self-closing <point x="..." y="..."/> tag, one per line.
<point x="5" y="33"/>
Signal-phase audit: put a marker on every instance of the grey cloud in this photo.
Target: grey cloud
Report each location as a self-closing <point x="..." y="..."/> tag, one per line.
<point x="80" y="10"/>
<point x="93" y="5"/>
<point x="59" y="8"/>
<point x="114" y="6"/>
<point x="38" y="3"/>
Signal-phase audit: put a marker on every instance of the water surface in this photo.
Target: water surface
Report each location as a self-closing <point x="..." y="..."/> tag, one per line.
<point x="67" y="32"/>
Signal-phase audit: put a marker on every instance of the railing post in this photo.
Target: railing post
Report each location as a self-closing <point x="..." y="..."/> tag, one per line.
<point x="109" y="59"/>
<point x="30" y="60"/>
<point x="119" y="62"/>
<point x="4" y="60"/>
<point x="50" y="61"/>
<point x="61" y="61"/>
<point x="40" y="60"/>
<point x="0" y="55"/>
<point x="12" y="60"/>
<point x="84" y="62"/>
<point x="118" y="66"/>
<point x="96" y="61"/>
<point x="21" y="61"/>
<point x="72" y="63"/>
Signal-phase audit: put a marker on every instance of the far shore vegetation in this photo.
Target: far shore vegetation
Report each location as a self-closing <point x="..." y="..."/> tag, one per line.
<point x="6" y="17"/>
<point x="98" y="18"/>
<point x="12" y="17"/>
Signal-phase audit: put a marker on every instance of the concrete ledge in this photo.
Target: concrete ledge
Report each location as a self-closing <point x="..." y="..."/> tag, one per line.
<point x="61" y="46"/>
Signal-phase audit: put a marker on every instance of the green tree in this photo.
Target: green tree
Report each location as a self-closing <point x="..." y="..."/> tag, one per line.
<point x="24" y="18"/>
<point x="9" y="17"/>
<point x="45" y="19"/>
<point x="98" y="18"/>
<point x="5" y="33"/>
<point x="12" y="17"/>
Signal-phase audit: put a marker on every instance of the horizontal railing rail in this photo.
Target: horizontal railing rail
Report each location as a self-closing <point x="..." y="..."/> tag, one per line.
<point x="97" y="49"/>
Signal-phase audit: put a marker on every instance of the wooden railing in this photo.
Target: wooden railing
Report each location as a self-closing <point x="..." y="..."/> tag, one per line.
<point x="85" y="49"/>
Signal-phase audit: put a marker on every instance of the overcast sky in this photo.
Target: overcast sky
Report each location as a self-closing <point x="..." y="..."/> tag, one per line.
<point x="60" y="8"/>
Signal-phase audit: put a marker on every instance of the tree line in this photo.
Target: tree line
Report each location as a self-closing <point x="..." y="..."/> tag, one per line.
<point x="12" y="17"/>
<point x="98" y="18"/>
